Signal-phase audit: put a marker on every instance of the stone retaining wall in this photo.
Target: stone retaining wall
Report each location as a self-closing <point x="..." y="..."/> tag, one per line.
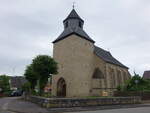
<point x="82" y="102"/>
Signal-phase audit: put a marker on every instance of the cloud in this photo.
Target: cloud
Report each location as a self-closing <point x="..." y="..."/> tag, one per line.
<point x="27" y="28"/>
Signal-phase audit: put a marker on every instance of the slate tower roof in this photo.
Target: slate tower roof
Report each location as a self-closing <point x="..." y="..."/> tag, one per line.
<point x="73" y="15"/>
<point x="73" y="24"/>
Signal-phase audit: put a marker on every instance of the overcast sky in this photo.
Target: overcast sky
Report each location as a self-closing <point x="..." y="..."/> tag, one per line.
<point x="27" y="28"/>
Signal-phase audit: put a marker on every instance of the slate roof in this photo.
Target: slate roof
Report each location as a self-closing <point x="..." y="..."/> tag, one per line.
<point x="69" y="31"/>
<point x="73" y="28"/>
<point x="73" y="15"/>
<point x="17" y="81"/>
<point x="146" y="74"/>
<point x="107" y="57"/>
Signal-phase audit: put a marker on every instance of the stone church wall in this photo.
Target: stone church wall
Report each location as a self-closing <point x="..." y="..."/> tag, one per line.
<point x="113" y="77"/>
<point x="75" y="57"/>
<point x="116" y="76"/>
<point x="98" y="84"/>
<point x="77" y="62"/>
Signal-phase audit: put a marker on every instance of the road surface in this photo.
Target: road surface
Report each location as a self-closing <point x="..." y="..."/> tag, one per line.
<point x="16" y="105"/>
<point x="126" y="110"/>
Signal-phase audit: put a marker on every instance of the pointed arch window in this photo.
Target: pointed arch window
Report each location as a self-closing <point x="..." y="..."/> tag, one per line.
<point x="98" y="74"/>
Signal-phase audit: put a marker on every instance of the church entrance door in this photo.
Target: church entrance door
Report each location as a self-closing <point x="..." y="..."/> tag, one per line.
<point x="61" y="88"/>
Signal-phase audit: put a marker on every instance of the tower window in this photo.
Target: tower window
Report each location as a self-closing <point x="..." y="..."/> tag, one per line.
<point x="66" y="25"/>
<point x="80" y="24"/>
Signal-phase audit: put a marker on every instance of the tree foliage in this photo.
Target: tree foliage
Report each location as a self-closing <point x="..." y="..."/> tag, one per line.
<point x="4" y="83"/>
<point x="42" y="67"/>
<point x="31" y="76"/>
<point x="136" y="83"/>
<point x="26" y="87"/>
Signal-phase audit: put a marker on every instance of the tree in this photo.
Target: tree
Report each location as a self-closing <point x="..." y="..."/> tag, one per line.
<point x="44" y="66"/>
<point x="26" y="86"/>
<point x="31" y="76"/>
<point x="41" y="68"/>
<point x="136" y="83"/>
<point x="4" y="83"/>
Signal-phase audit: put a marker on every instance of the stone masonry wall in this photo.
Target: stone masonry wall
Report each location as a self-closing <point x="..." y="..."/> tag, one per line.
<point x="83" y="102"/>
<point x="75" y="59"/>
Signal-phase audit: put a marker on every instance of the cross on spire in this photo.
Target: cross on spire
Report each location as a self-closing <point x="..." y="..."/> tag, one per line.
<point x="73" y="5"/>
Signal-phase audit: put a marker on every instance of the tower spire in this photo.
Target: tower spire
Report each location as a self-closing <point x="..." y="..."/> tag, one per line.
<point x="73" y="24"/>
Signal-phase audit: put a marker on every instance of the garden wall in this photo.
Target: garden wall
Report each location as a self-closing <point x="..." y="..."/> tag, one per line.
<point x="143" y="95"/>
<point x="82" y="102"/>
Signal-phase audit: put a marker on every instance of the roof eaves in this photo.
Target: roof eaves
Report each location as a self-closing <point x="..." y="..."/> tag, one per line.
<point x="72" y="34"/>
<point x="117" y="64"/>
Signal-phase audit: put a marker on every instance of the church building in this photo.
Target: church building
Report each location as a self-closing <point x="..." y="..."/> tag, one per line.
<point x="84" y="68"/>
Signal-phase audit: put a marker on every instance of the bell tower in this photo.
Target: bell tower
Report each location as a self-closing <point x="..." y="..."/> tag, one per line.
<point x="73" y="50"/>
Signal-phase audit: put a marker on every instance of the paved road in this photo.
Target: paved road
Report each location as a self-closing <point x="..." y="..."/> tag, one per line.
<point x="16" y="105"/>
<point x="4" y="105"/>
<point x="127" y="110"/>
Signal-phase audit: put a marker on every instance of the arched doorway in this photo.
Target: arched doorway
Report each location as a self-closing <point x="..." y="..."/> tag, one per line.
<point x="61" y="88"/>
